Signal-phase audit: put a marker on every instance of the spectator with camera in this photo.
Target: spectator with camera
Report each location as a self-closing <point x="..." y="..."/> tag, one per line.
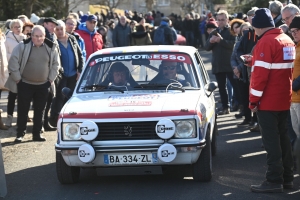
<point x="221" y="43"/>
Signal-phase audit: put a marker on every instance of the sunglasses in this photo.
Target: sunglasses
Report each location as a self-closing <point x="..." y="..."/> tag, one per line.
<point x="169" y="67"/>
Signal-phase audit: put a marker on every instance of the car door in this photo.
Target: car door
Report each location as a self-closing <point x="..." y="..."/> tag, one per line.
<point x="206" y="103"/>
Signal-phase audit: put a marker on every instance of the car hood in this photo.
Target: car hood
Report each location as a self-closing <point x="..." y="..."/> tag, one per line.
<point x="131" y="105"/>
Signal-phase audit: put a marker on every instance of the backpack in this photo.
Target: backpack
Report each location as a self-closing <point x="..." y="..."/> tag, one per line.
<point x="159" y="36"/>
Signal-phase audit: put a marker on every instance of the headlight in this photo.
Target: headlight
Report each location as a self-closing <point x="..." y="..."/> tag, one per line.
<point x="71" y="131"/>
<point x="185" y="129"/>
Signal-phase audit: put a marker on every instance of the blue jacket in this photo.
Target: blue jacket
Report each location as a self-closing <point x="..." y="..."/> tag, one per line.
<point x="203" y="27"/>
<point x="237" y="62"/>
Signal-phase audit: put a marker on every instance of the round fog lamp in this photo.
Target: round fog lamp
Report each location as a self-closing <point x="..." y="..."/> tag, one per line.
<point x="72" y="131"/>
<point x="184" y="129"/>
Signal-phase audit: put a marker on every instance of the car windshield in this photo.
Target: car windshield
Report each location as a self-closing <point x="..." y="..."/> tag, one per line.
<point x="139" y="71"/>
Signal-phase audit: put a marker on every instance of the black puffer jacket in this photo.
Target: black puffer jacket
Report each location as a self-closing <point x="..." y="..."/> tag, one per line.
<point x="221" y="52"/>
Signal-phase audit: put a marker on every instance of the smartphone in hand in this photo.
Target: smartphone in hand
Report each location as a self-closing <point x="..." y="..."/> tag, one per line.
<point x="244" y="59"/>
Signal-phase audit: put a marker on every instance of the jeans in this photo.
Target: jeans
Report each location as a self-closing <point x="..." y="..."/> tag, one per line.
<point x="203" y="37"/>
<point x="230" y="92"/>
<point x="244" y="92"/>
<point x="274" y="131"/>
<point x="295" y="119"/>
<point x="39" y="94"/>
<point x="59" y="100"/>
<point x="221" y="80"/>
<point x="189" y="36"/>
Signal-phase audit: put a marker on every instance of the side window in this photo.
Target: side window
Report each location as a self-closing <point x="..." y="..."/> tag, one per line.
<point x="201" y="66"/>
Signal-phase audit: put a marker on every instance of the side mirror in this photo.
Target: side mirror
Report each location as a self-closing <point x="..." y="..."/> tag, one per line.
<point x="67" y="92"/>
<point x="211" y="87"/>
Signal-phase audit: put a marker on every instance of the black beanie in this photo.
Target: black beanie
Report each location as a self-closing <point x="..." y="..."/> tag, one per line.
<point x="263" y="19"/>
<point x="295" y="22"/>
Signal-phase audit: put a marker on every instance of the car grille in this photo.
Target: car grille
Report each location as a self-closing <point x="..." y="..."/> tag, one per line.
<point x="127" y="131"/>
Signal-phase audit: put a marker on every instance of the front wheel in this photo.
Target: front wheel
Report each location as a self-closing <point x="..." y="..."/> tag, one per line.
<point x="214" y="140"/>
<point x="202" y="169"/>
<point x="65" y="173"/>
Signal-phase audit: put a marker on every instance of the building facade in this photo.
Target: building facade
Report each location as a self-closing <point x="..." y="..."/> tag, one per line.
<point x="167" y="7"/>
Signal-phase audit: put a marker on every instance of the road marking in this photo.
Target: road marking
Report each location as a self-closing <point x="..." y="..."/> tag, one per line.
<point x="244" y="139"/>
<point x="227" y="194"/>
<point x="298" y="191"/>
<point x="253" y="154"/>
<point x="239" y="133"/>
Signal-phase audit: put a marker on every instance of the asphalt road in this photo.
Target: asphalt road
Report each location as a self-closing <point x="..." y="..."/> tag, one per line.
<point x="240" y="162"/>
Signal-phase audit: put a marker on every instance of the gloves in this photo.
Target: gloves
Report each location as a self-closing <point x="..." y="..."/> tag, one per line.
<point x="296" y="84"/>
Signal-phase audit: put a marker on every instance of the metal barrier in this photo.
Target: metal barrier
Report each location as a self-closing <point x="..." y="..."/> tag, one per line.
<point x="3" y="189"/>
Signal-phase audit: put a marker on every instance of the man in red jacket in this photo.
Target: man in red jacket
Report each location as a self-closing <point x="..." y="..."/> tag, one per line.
<point x="92" y="39"/>
<point x="270" y="97"/>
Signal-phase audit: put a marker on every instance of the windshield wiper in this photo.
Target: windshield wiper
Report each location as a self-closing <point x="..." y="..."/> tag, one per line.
<point x="151" y="85"/>
<point x="157" y="85"/>
<point x="95" y="87"/>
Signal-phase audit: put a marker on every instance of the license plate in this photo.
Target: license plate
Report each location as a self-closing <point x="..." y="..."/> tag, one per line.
<point x="123" y="159"/>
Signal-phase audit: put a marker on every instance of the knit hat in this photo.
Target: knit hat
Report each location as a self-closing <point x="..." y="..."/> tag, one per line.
<point x="211" y="23"/>
<point x="83" y="18"/>
<point x="263" y="19"/>
<point x="295" y="22"/>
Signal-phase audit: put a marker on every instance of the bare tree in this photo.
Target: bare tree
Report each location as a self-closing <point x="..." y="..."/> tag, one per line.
<point x="72" y="4"/>
<point x="111" y="4"/>
<point x="188" y="5"/>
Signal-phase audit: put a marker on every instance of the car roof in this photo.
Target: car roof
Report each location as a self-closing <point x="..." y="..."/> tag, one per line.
<point x="148" y="48"/>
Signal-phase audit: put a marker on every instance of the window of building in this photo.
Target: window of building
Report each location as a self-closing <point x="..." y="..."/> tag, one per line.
<point x="163" y="2"/>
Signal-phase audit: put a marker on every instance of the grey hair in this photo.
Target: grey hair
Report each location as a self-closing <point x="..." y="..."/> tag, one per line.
<point x="284" y="28"/>
<point x="292" y="8"/>
<point x="75" y="15"/>
<point x="275" y="7"/>
<point x="61" y="23"/>
<point x="252" y="11"/>
<point x="14" y="21"/>
<point x="38" y="27"/>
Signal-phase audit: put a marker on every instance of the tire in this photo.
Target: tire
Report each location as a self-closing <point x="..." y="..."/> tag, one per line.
<point x="214" y="140"/>
<point x="65" y="173"/>
<point x="202" y="169"/>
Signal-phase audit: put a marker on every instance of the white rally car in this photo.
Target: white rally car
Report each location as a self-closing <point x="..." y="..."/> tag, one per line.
<point x="141" y="106"/>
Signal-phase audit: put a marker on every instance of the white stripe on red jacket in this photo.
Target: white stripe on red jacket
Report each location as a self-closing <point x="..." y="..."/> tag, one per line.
<point x="271" y="77"/>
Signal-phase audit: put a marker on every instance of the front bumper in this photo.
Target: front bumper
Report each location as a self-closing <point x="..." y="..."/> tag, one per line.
<point x="187" y="153"/>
